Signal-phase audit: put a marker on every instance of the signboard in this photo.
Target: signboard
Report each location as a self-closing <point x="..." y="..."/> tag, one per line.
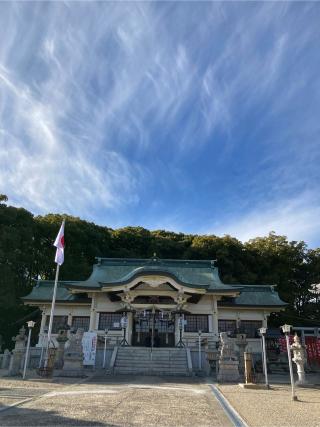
<point x="89" y="347"/>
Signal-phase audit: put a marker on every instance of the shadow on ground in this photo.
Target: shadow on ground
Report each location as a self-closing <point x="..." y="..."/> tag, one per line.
<point x="32" y="417"/>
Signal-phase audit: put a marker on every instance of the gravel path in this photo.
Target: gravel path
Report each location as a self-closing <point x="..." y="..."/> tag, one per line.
<point x="116" y="401"/>
<point x="264" y="408"/>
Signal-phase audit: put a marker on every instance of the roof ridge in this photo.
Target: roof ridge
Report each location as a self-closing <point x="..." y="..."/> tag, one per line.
<point x="156" y="259"/>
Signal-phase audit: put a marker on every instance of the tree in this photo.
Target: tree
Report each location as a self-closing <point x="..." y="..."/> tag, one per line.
<point x="3" y="198"/>
<point x="170" y="245"/>
<point x="26" y="252"/>
<point x="16" y="265"/>
<point x="132" y="242"/>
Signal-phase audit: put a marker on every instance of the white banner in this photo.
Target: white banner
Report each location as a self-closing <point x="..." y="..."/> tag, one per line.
<point x="89" y="346"/>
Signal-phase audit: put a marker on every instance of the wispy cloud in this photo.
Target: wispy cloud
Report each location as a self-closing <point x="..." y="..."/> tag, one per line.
<point x="296" y="218"/>
<point x="52" y="152"/>
<point x="77" y="86"/>
<point x="162" y="113"/>
<point x="44" y="166"/>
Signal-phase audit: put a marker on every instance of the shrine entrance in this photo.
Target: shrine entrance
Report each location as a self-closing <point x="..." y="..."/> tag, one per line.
<point x="153" y="329"/>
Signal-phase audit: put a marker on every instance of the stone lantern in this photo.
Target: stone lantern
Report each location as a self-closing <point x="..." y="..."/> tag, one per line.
<point x="18" y="352"/>
<point x="62" y="338"/>
<point x="299" y="359"/>
<point x="242" y="342"/>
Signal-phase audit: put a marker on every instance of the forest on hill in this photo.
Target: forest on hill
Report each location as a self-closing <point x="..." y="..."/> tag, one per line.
<point x="27" y="252"/>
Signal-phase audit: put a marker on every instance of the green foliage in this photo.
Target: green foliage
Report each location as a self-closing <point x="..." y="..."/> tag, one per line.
<point x="132" y="242"/>
<point x="3" y="198"/>
<point x="27" y="252"/>
<point x="84" y="242"/>
<point x="166" y="244"/>
<point x="16" y="264"/>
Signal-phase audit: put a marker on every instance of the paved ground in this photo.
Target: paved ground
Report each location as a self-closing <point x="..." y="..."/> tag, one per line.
<point x="135" y="401"/>
<point x="151" y="401"/>
<point x="269" y="408"/>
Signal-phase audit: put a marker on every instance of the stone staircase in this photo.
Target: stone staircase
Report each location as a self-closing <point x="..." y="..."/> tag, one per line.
<point x="161" y="361"/>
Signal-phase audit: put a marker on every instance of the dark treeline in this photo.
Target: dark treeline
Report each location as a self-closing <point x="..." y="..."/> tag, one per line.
<point x="26" y="252"/>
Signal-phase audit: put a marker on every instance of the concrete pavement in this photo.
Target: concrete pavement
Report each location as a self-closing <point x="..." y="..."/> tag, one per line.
<point x="274" y="407"/>
<point x="116" y="401"/>
<point x="151" y="401"/>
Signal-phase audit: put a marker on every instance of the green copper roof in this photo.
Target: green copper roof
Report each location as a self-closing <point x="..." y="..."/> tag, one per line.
<point x="259" y="295"/>
<point x="118" y="271"/>
<point x="43" y="292"/>
<point x="193" y="274"/>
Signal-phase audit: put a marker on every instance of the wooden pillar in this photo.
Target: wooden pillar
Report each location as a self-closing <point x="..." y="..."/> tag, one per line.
<point x="43" y="321"/>
<point x="176" y="329"/>
<point x="92" y="325"/>
<point x="129" y="328"/>
<point x="265" y="320"/>
<point x="215" y="324"/>
<point x="69" y="321"/>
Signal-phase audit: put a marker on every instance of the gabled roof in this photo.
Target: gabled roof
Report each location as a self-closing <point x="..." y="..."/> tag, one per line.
<point x="119" y="271"/>
<point x="255" y="296"/>
<point x="113" y="272"/>
<point x="43" y="290"/>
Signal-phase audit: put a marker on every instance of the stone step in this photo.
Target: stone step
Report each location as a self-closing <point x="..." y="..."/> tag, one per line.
<point x="127" y="353"/>
<point x="141" y="361"/>
<point x="152" y="360"/>
<point x="151" y="366"/>
<point x="155" y="351"/>
<point x="147" y="365"/>
<point x="151" y="372"/>
<point x="160" y="359"/>
<point x="124" y="353"/>
<point x="125" y="356"/>
<point x="147" y="362"/>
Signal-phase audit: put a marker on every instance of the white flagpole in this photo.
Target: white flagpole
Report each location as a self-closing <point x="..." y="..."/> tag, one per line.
<point x="53" y="303"/>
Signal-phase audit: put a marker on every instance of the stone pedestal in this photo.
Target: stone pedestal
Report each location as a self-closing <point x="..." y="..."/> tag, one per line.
<point x="15" y="362"/>
<point x="228" y="363"/>
<point x="18" y="353"/>
<point x="6" y="359"/>
<point x="301" y="375"/>
<point x="62" y="338"/>
<point x="228" y="371"/>
<point x="213" y="358"/>
<point x="253" y="386"/>
<point x="73" y="356"/>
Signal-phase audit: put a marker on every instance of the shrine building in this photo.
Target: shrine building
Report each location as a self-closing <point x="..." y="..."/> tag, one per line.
<point x="172" y="299"/>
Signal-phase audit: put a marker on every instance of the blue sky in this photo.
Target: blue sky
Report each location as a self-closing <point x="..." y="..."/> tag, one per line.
<point x="193" y="117"/>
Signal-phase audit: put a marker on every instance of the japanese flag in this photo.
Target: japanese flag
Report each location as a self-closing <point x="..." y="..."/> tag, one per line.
<point x="59" y="244"/>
